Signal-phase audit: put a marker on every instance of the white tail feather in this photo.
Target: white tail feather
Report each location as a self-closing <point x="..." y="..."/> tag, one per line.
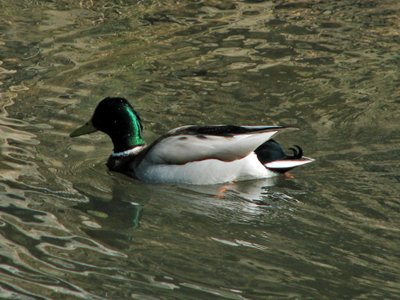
<point x="288" y="163"/>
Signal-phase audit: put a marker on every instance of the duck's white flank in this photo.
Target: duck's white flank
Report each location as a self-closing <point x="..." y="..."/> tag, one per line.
<point x="209" y="171"/>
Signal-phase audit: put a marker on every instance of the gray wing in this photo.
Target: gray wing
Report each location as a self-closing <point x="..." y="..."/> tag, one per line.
<point x="222" y="142"/>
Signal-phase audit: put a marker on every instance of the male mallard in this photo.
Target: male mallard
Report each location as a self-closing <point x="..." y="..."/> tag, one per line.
<point x="190" y="154"/>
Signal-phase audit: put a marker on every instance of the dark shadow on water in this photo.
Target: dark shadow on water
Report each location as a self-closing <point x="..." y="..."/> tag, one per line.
<point x="114" y="218"/>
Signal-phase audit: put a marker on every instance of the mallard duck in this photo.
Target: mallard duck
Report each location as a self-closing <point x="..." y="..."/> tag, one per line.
<point x="190" y="154"/>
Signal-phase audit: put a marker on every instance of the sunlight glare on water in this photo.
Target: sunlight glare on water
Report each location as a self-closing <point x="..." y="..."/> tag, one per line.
<point x="71" y="229"/>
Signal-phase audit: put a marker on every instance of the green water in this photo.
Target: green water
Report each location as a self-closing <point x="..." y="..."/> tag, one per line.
<point x="71" y="229"/>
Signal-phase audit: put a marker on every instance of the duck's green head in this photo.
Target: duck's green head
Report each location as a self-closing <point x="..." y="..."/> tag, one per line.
<point x="117" y="118"/>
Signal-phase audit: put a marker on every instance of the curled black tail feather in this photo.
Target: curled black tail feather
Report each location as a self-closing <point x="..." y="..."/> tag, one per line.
<point x="297" y="152"/>
<point x="271" y="151"/>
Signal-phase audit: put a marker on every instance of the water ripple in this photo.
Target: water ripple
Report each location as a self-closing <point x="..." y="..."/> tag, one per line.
<point x="72" y="229"/>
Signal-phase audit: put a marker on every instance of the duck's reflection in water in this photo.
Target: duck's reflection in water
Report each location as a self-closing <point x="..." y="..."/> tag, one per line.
<point x="112" y="220"/>
<point x="252" y="190"/>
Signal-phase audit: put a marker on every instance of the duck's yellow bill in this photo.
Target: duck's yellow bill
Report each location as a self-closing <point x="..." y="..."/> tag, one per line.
<point x="85" y="129"/>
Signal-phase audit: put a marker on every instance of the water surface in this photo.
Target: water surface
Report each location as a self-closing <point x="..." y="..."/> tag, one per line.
<point x="71" y="229"/>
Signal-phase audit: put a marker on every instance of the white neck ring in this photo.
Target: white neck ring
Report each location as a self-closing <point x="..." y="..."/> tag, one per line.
<point x="132" y="151"/>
